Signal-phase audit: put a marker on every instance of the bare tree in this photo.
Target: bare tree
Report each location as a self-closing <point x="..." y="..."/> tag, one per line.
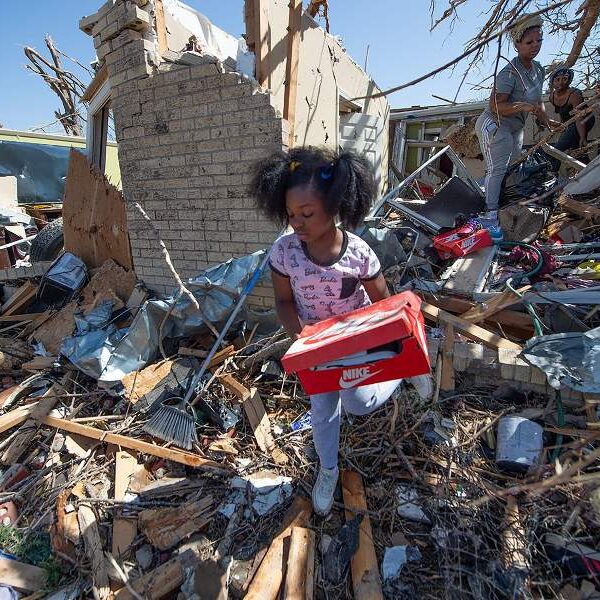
<point x="67" y="86"/>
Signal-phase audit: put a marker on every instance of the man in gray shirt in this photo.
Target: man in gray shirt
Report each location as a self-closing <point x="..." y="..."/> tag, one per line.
<point x="517" y="92"/>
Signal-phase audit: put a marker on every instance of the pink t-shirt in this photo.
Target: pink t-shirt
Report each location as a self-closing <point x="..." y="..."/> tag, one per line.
<point x="325" y="290"/>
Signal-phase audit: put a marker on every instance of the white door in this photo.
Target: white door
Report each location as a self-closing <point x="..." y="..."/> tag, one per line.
<point x="363" y="134"/>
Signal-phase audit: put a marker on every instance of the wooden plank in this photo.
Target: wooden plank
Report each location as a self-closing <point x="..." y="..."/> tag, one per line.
<point x="447" y="381"/>
<point x="94" y="216"/>
<point x="297" y="584"/>
<point x="481" y="312"/>
<point x="235" y="387"/>
<point x="161" y="28"/>
<point x="291" y="67"/>
<point x="124" y="529"/>
<point x="508" y="318"/>
<point x="184" y="351"/>
<point x="365" y="572"/>
<point x="163" y="580"/>
<point x="24" y="437"/>
<point x="259" y="421"/>
<point x="470" y="330"/>
<point x="221" y="356"/>
<point x="94" y="551"/>
<point x="581" y="209"/>
<point x="19" y="318"/>
<point x="269" y="576"/>
<point x="20" y="300"/>
<point x="138" y="383"/>
<point x="179" y="456"/>
<point x="92" y="89"/>
<point x="261" y="33"/>
<point x="13" y="418"/>
<point x="20" y="576"/>
<point x="563" y="157"/>
<point x="166" y="527"/>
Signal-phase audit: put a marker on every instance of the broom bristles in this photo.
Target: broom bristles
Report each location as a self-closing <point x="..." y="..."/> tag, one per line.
<point x="172" y="424"/>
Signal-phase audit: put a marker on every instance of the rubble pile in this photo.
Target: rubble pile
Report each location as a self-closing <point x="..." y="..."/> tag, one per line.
<point x="483" y="486"/>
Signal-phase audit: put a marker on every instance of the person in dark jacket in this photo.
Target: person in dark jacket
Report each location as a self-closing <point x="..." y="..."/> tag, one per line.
<point x="565" y="99"/>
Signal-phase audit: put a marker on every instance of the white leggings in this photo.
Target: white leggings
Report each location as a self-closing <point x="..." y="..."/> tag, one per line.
<point x="325" y="412"/>
<point x="500" y="147"/>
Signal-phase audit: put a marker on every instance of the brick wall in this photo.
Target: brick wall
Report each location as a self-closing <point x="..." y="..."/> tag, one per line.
<point x="188" y="136"/>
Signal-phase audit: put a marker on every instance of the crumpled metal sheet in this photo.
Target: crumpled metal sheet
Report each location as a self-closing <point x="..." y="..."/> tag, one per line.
<point x="569" y="359"/>
<point x="109" y="354"/>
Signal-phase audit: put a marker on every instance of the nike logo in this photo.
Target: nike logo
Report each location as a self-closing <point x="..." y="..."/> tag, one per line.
<point x="352" y="377"/>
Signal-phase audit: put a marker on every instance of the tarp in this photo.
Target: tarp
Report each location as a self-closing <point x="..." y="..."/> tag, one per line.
<point x="40" y="170"/>
<point x="570" y="359"/>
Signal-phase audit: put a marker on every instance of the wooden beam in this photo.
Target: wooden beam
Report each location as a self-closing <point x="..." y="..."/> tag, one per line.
<point x="447" y="381"/>
<point x="22" y="577"/>
<point x="261" y="32"/>
<point x="99" y="78"/>
<point x="581" y="209"/>
<point x="24" y="437"/>
<point x="269" y="576"/>
<point x="163" y="580"/>
<point x="235" y="387"/>
<point x="19" y="318"/>
<point x="14" y="417"/>
<point x="259" y="421"/>
<point x="124" y="530"/>
<point x="20" y="300"/>
<point x="473" y="332"/>
<point x="485" y="310"/>
<point x="302" y="545"/>
<point x="365" y="572"/>
<point x="509" y="318"/>
<point x="179" y="456"/>
<point x="94" y="551"/>
<point x="161" y="28"/>
<point x="563" y="157"/>
<point x="166" y="527"/>
<point x="291" y="67"/>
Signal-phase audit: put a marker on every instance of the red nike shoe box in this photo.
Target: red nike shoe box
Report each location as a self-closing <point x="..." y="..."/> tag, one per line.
<point x="324" y="356"/>
<point x="461" y="241"/>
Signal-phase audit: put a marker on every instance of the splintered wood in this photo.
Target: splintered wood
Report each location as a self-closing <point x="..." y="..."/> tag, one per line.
<point x="124" y="529"/>
<point x="165" y="527"/>
<point x="270" y="575"/>
<point x="365" y="571"/>
<point x="94" y="216"/>
<point x="259" y="421"/>
<point x="93" y="548"/>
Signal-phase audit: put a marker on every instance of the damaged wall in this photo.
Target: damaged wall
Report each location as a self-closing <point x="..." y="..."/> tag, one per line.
<point x="327" y="79"/>
<point x="190" y="128"/>
<point x="188" y="136"/>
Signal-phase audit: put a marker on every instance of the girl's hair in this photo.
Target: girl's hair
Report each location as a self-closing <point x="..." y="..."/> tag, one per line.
<point x="344" y="181"/>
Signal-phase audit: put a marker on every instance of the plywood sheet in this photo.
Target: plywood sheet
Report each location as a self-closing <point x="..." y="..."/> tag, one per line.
<point x="94" y="216"/>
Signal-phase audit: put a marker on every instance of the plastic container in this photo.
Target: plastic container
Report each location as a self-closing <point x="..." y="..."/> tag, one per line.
<point x="519" y="443"/>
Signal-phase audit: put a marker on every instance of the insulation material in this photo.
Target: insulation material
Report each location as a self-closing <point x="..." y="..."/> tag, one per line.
<point x="183" y="22"/>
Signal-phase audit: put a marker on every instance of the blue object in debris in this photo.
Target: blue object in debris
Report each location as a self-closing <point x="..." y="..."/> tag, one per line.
<point x="302" y="423"/>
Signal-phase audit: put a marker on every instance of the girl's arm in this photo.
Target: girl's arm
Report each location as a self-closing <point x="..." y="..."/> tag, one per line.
<point x="500" y="105"/>
<point x="285" y="305"/>
<point x="377" y="288"/>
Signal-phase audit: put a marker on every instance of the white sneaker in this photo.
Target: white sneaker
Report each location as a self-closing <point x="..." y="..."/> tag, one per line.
<point x="323" y="490"/>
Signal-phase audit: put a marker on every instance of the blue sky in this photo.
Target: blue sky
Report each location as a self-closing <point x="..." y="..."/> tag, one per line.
<point x="397" y="31"/>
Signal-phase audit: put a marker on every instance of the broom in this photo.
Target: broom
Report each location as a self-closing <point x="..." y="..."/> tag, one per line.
<point x="174" y="420"/>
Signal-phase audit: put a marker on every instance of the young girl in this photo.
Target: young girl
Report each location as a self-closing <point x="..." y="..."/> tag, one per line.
<point x="321" y="270"/>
